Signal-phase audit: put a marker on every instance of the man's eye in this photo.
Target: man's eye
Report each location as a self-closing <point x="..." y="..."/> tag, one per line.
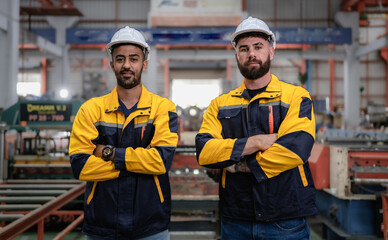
<point x="134" y="59"/>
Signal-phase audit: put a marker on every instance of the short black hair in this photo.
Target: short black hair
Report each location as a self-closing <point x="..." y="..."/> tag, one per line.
<point x="252" y="34"/>
<point x="124" y="44"/>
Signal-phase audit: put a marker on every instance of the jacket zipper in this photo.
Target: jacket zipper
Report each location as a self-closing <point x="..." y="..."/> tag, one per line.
<point x="270" y="119"/>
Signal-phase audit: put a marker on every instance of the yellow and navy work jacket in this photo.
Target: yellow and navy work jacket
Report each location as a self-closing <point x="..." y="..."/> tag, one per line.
<point x="280" y="185"/>
<point x="129" y="197"/>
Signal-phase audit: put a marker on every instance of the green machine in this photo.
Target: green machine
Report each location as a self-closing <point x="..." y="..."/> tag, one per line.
<point x="36" y="138"/>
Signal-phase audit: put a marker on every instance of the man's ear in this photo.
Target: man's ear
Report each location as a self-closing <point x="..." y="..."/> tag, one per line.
<point x="271" y="52"/>
<point x="145" y="64"/>
<point x="111" y="65"/>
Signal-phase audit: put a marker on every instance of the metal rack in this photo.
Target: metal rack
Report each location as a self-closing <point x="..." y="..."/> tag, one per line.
<point x="25" y="203"/>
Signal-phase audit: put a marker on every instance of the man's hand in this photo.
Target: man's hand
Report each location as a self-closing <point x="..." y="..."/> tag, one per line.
<point x="255" y="143"/>
<point x="98" y="151"/>
<point x="239" y="167"/>
<point x="259" y="142"/>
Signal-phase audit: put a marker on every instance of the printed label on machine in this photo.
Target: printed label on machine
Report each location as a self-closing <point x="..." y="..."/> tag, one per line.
<point x="45" y="112"/>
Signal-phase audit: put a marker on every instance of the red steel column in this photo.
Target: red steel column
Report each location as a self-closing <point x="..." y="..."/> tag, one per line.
<point x="166" y="78"/>
<point x="43" y="73"/>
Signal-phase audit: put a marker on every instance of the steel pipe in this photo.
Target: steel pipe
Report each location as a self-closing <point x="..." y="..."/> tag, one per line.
<point x="69" y="228"/>
<point x="25" y="199"/>
<point x="370" y="181"/>
<point x="37" y="186"/>
<point x="11" y="192"/>
<point x="32" y="165"/>
<point x="10" y="217"/>
<point x="43" y="181"/>
<point x="20" y="225"/>
<point x="13" y="207"/>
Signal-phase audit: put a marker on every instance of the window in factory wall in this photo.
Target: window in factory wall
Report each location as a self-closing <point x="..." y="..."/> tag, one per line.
<point x="195" y="92"/>
<point x="29" y="84"/>
<point x="192" y="97"/>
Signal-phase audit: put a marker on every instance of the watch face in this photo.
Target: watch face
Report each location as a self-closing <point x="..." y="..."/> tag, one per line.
<point x="106" y="151"/>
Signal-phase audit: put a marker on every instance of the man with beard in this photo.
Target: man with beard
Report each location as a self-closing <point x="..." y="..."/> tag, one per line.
<point x="122" y="144"/>
<point x="260" y="136"/>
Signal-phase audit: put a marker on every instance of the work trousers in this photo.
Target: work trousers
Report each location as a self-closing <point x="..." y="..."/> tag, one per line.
<point x="294" y="229"/>
<point x="165" y="235"/>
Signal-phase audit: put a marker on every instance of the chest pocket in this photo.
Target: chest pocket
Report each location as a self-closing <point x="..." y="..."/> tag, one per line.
<point x="264" y="118"/>
<point x="108" y="133"/>
<point x="145" y="130"/>
<point x="232" y="121"/>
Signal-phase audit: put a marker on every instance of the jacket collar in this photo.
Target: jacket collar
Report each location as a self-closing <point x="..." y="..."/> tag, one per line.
<point x="272" y="87"/>
<point x="112" y="100"/>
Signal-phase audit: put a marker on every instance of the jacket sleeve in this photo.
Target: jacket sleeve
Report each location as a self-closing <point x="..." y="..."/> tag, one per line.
<point x="84" y="164"/>
<point x="212" y="150"/>
<point x="296" y="136"/>
<point x="157" y="158"/>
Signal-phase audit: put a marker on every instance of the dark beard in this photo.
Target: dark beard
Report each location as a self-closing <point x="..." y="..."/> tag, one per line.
<point x="252" y="73"/>
<point x="122" y="81"/>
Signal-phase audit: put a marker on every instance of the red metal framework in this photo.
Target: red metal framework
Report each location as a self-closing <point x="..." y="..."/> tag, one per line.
<point x="368" y="165"/>
<point x="65" y="8"/>
<point x="359" y="5"/>
<point x="27" y="219"/>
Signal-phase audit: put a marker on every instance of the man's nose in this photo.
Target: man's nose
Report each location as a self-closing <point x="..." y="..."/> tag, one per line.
<point x="127" y="64"/>
<point x="251" y="54"/>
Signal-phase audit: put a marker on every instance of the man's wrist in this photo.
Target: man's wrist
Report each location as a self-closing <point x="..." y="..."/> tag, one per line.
<point x="107" y="152"/>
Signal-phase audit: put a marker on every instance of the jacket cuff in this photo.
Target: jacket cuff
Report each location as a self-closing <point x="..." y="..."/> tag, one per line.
<point x="256" y="168"/>
<point x="238" y="149"/>
<point x="119" y="159"/>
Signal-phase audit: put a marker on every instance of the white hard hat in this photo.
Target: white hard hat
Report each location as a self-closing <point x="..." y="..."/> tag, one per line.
<point x="253" y="25"/>
<point x="129" y="35"/>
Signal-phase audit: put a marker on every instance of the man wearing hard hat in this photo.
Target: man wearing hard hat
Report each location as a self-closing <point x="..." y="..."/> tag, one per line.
<point x="260" y="135"/>
<point x="123" y="144"/>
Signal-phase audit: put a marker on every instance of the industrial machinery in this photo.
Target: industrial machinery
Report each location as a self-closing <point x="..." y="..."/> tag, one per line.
<point x="36" y="183"/>
<point x="350" y="171"/>
<point x="37" y="139"/>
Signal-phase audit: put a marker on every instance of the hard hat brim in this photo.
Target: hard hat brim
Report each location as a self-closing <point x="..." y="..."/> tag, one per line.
<point x="234" y="35"/>
<point x="111" y="44"/>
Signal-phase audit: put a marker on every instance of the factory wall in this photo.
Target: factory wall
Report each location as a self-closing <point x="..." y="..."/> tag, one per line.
<point x="278" y="14"/>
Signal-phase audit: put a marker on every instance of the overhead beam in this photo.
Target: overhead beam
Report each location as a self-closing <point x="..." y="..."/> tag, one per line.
<point x="200" y="54"/>
<point x="311" y="55"/>
<point x="211" y="54"/>
<point x="43" y="43"/>
<point x="374" y="46"/>
<point x="65" y="8"/>
<point x="216" y="54"/>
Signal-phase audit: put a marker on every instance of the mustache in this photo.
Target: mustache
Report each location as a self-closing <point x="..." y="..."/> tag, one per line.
<point x="127" y="70"/>
<point x="254" y="61"/>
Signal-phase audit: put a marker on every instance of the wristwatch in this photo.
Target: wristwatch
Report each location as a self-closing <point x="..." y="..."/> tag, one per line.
<point x="107" y="152"/>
